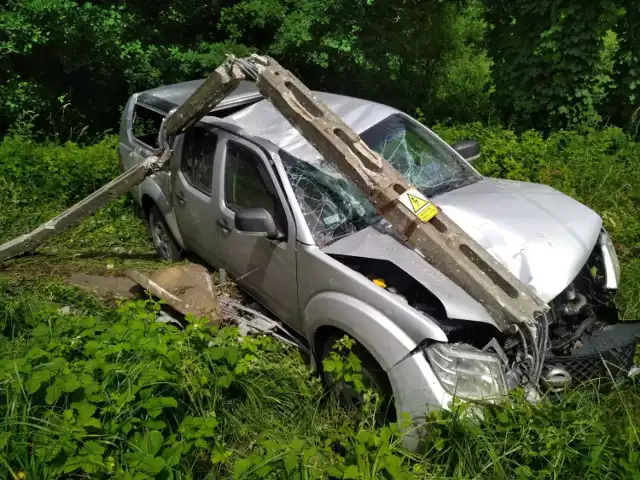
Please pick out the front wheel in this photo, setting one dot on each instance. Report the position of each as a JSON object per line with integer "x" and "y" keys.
{"x": 166, "y": 246}
{"x": 373, "y": 378}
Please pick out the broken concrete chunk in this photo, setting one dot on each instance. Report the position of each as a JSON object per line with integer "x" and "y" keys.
{"x": 186, "y": 288}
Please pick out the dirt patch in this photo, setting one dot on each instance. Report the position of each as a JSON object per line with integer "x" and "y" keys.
{"x": 106, "y": 287}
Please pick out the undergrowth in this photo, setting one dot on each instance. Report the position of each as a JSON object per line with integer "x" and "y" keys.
{"x": 93, "y": 392}
{"x": 100, "y": 393}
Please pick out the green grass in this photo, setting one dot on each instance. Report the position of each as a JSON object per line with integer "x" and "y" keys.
{"x": 106, "y": 393}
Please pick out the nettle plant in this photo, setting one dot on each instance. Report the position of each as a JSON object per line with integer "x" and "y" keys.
{"x": 344, "y": 365}
{"x": 122, "y": 397}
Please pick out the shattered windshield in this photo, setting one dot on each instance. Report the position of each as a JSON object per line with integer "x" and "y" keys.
{"x": 333, "y": 207}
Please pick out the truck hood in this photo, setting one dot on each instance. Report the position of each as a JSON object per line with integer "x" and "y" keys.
{"x": 541, "y": 235}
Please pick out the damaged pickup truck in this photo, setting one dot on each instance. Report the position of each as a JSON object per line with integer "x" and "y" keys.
{"x": 246, "y": 192}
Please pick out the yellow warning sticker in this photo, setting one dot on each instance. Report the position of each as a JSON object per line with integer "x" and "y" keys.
{"x": 418, "y": 204}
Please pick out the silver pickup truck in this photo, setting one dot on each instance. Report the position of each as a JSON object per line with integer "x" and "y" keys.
{"x": 246, "y": 192}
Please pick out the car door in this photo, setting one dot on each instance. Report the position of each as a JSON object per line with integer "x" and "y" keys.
{"x": 192, "y": 192}
{"x": 265, "y": 268}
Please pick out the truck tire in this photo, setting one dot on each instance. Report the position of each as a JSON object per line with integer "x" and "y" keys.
{"x": 166, "y": 246}
{"x": 373, "y": 377}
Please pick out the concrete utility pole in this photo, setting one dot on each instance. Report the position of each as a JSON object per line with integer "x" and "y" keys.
{"x": 217, "y": 86}
{"x": 512, "y": 304}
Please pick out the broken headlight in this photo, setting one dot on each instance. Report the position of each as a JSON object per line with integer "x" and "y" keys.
{"x": 611, "y": 264}
{"x": 466, "y": 372}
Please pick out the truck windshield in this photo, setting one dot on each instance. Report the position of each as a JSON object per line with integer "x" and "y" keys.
{"x": 333, "y": 207}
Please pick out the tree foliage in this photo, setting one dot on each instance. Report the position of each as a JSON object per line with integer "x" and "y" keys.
{"x": 547, "y": 55}
{"x": 627, "y": 100}
{"x": 385, "y": 51}
{"x": 71, "y": 63}
{"x": 67, "y": 66}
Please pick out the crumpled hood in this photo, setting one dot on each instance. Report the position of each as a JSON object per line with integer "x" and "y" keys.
{"x": 541, "y": 235}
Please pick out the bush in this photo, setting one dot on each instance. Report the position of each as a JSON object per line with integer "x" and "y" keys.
{"x": 87, "y": 390}
{"x": 115, "y": 394}
{"x": 90, "y": 391}
{"x": 38, "y": 181}
{"x": 582, "y": 435}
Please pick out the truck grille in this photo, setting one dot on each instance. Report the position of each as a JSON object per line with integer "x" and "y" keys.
{"x": 605, "y": 354}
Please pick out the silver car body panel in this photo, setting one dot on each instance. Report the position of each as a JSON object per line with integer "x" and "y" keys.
{"x": 177, "y": 94}
{"x": 541, "y": 235}
{"x": 263, "y": 120}
{"x": 321, "y": 279}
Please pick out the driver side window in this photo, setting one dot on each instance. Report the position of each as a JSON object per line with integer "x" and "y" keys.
{"x": 246, "y": 182}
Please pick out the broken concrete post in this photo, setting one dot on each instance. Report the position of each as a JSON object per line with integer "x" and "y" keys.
{"x": 439, "y": 240}
{"x": 217, "y": 86}
{"x": 222, "y": 81}
{"x": 85, "y": 208}
{"x": 187, "y": 289}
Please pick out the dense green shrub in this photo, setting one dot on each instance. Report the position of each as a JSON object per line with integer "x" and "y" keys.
{"x": 68, "y": 66}
{"x": 424, "y": 53}
{"x": 65, "y": 173}
{"x": 115, "y": 394}
{"x": 104, "y": 393}
{"x": 625, "y": 105}
{"x": 37, "y": 181}
{"x": 582, "y": 435}
{"x": 548, "y": 71}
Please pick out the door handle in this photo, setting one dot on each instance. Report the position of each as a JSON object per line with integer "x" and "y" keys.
{"x": 224, "y": 225}
{"x": 180, "y": 197}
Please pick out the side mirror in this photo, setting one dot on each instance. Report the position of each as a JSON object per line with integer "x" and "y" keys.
{"x": 257, "y": 222}
{"x": 468, "y": 149}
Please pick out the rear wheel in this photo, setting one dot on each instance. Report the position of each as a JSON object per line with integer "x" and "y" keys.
{"x": 373, "y": 378}
{"x": 166, "y": 246}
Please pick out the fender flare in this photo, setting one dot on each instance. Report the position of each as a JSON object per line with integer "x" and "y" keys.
{"x": 150, "y": 188}
{"x": 380, "y": 335}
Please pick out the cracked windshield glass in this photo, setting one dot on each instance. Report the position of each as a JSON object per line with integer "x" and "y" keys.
{"x": 334, "y": 208}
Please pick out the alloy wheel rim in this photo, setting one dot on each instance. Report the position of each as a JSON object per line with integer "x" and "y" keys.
{"x": 161, "y": 239}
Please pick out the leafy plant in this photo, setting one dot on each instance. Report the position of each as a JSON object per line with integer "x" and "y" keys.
{"x": 547, "y": 66}
{"x": 344, "y": 365}
{"x": 120, "y": 394}
{"x": 626, "y": 104}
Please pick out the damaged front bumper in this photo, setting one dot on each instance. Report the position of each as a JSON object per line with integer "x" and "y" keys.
{"x": 605, "y": 354}
{"x": 587, "y": 342}
{"x": 434, "y": 377}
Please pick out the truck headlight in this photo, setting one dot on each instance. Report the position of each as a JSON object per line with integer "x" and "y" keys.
{"x": 466, "y": 372}
{"x": 611, "y": 263}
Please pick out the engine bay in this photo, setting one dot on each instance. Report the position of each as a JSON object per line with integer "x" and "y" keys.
{"x": 570, "y": 338}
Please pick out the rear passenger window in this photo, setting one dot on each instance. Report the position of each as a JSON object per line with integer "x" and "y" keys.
{"x": 198, "y": 154}
{"x": 146, "y": 125}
